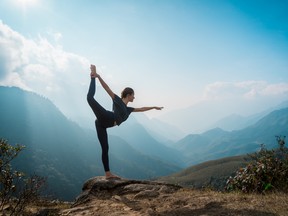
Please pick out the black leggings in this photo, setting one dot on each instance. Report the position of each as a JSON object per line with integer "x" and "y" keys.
{"x": 105, "y": 119}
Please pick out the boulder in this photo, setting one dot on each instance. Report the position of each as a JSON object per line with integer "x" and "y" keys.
{"x": 102, "y": 188}
{"x": 125, "y": 196}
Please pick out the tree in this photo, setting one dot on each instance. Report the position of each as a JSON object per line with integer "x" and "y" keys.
{"x": 16, "y": 189}
{"x": 267, "y": 170}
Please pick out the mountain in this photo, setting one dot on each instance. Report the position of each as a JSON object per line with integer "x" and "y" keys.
{"x": 61, "y": 150}
{"x": 197, "y": 143}
{"x": 134, "y": 164}
{"x": 238, "y": 122}
{"x": 139, "y": 138}
{"x": 161, "y": 131}
{"x": 217, "y": 143}
{"x": 53, "y": 143}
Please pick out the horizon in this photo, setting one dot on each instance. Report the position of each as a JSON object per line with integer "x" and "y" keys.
{"x": 230, "y": 55}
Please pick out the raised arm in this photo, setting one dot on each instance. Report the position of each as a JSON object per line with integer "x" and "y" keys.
{"x": 102, "y": 82}
{"x": 143, "y": 109}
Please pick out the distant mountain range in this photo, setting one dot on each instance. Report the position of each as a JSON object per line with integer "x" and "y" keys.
{"x": 141, "y": 148}
{"x": 217, "y": 143}
{"x": 238, "y": 122}
{"x": 206, "y": 115}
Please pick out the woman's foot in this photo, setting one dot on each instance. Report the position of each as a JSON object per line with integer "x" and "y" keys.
{"x": 109, "y": 175}
{"x": 93, "y": 73}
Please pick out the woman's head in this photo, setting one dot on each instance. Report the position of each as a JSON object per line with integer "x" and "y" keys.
{"x": 127, "y": 92}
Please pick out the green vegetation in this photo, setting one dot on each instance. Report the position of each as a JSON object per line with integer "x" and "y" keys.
{"x": 16, "y": 190}
{"x": 267, "y": 171}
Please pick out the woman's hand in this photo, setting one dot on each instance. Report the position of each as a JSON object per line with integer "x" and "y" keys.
{"x": 158, "y": 108}
{"x": 143, "y": 109}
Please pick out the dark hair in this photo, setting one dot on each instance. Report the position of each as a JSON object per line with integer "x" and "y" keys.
{"x": 127, "y": 91}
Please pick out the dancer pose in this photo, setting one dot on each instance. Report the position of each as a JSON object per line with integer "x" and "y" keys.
{"x": 105, "y": 118}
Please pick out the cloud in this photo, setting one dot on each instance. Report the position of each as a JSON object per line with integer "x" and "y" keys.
{"x": 276, "y": 89}
{"x": 9, "y": 52}
{"x": 246, "y": 90}
{"x": 38, "y": 65}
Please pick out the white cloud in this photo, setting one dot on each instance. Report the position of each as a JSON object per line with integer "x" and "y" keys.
{"x": 246, "y": 90}
{"x": 276, "y": 89}
{"x": 15, "y": 80}
{"x": 39, "y": 66}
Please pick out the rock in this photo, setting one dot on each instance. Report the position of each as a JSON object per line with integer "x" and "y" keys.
{"x": 99, "y": 195}
{"x": 147, "y": 194}
{"x": 102, "y": 188}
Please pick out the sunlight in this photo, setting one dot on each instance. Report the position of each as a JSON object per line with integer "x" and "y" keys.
{"x": 26, "y": 4}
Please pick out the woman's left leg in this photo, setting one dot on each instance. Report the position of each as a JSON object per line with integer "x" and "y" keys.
{"x": 98, "y": 110}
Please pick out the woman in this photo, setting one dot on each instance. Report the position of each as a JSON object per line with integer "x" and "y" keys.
{"x": 105, "y": 118}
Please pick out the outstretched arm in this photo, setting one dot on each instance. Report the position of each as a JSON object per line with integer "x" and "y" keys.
{"x": 143, "y": 109}
{"x": 102, "y": 82}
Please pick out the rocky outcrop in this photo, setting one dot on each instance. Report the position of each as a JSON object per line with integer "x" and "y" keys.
{"x": 99, "y": 195}
{"x": 123, "y": 197}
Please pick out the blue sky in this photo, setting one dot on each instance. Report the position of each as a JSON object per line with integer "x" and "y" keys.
{"x": 174, "y": 53}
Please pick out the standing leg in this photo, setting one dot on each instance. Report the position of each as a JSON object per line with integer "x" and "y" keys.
{"x": 103, "y": 139}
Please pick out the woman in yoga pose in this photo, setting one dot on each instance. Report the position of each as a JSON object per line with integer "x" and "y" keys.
{"x": 105, "y": 118}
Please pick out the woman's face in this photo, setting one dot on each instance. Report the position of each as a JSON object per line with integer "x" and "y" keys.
{"x": 131, "y": 97}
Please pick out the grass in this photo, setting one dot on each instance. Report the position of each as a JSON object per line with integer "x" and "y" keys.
{"x": 201, "y": 175}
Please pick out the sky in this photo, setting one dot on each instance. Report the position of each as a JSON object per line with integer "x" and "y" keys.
{"x": 173, "y": 53}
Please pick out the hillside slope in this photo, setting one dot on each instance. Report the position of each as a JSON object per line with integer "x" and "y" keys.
{"x": 211, "y": 173}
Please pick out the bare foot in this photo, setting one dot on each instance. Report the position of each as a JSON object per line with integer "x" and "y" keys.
{"x": 93, "y": 73}
{"x": 109, "y": 175}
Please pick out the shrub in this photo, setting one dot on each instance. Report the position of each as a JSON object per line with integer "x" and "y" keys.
{"x": 267, "y": 171}
{"x": 16, "y": 190}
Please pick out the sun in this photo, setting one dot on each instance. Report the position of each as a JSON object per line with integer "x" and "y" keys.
{"x": 25, "y": 4}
